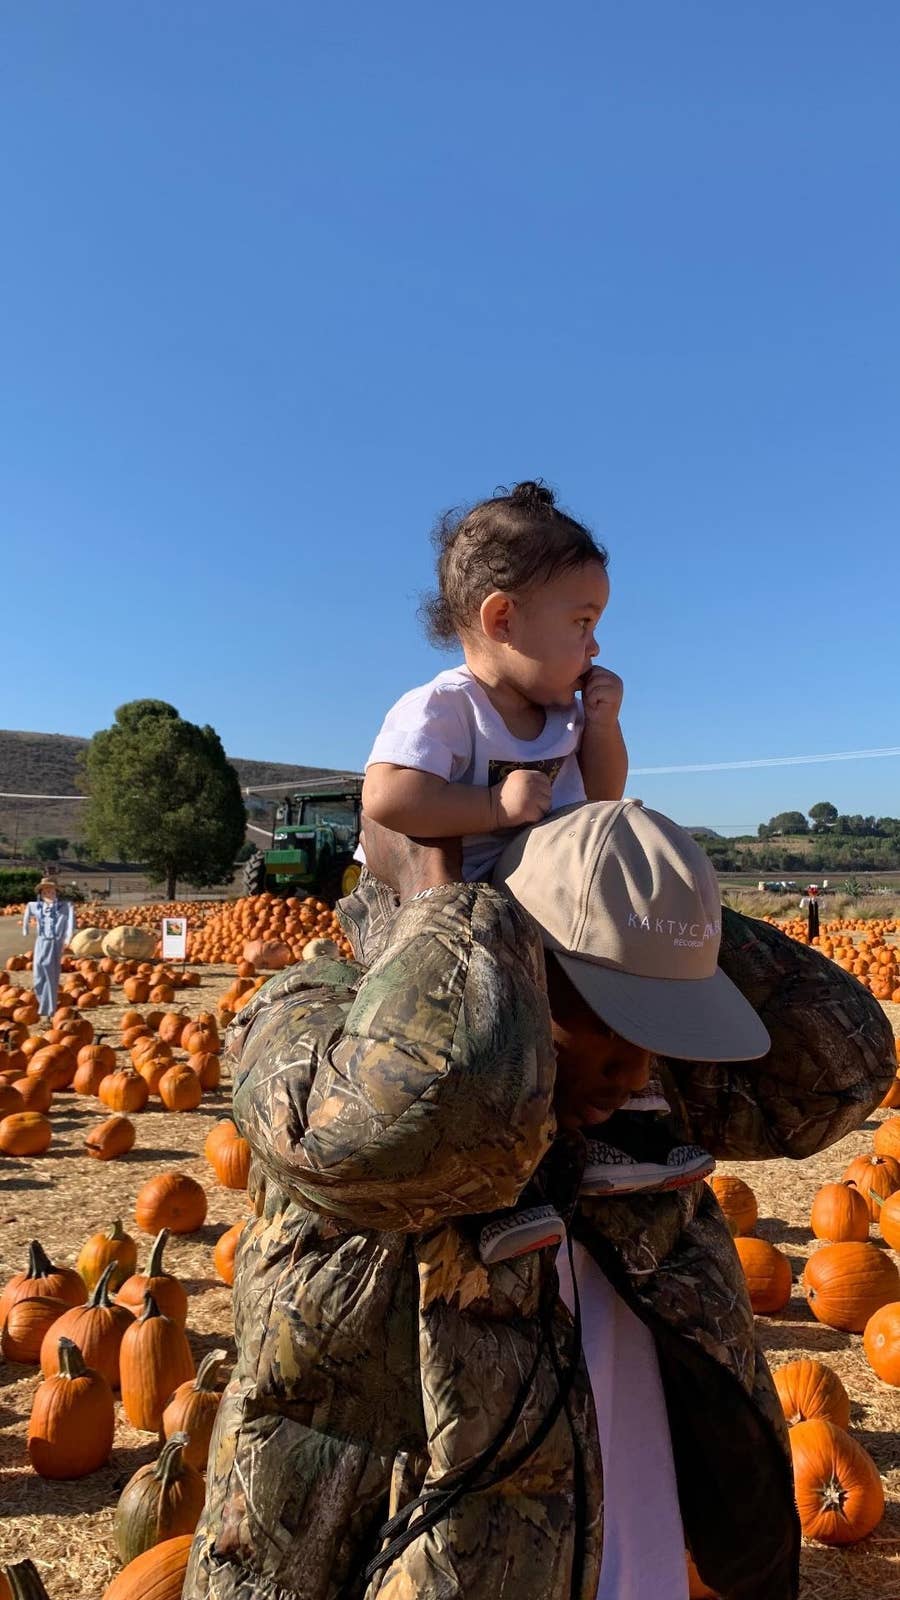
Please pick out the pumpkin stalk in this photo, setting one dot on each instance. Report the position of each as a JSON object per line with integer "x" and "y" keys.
{"x": 170, "y": 1461}
{"x": 39, "y": 1263}
{"x": 154, "y": 1261}
{"x": 71, "y": 1361}
{"x": 151, "y": 1309}
{"x": 100, "y": 1296}
{"x": 206, "y": 1372}
{"x": 24, "y": 1581}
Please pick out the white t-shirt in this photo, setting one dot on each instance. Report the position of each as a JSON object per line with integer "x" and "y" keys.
{"x": 643, "y": 1536}
{"x": 450, "y": 728}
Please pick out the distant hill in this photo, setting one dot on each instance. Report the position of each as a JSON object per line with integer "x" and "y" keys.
{"x": 47, "y": 763}
{"x": 703, "y": 833}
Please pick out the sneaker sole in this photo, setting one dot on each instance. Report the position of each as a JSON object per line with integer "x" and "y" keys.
{"x": 642, "y": 1180}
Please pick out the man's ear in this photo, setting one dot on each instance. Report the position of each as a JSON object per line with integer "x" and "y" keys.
{"x": 496, "y": 616}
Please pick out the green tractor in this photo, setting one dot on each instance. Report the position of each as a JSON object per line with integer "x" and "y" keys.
{"x": 314, "y": 837}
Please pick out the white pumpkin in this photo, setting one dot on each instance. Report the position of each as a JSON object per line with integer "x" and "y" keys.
{"x": 88, "y": 942}
{"x": 129, "y": 944}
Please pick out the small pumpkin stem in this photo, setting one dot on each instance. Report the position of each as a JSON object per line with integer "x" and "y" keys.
{"x": 24, "y": 1581}
{"x": 117, "y": 1232}
{"x": 151, "y": 1309}
{"x": 170, "y": 1462}
{"x": 833, "y": 1495}
{"x": 39, "y": 1263}
{"x": 878, "y": 1198}
{"x": 206, "y": 1372}
{"x": 71, "y": 1361}
{"x": 154, "y": 1263}
{"x": 100, "y": 1296}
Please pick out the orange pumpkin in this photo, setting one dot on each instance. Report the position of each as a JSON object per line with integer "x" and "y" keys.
{"x": 767, "y": 1272}
{"x": 26, "y": 1325}
{"x": 25, "y": 1133}
{"x": 70, "y": 1432}
{"x": 225, "y": 1250}
{"x": 207, "y": 1068}
{"x": 114, "y": 1247}
{"x": 840, "y": 1214}
{"x": 158, "y": 1574}
{"x": 839, "y": 1493}
{"x": 874, "y": 1175}
{"x": 808, "y": 1390}
{"x": 229, "y": 1157}
{"x": 96, "y": 1328}
{"x": 193, "y": 1408}
{"x": 166, "y": 1290}
{"x": 36, "y": 1093}
{"x": 108, "y": 1140}
{"x": 737, "y": 1201}
{"x": 42, "y": 1278}
{"x": 124, "y": 1090}
{"x": 154, "y": 1359}
{"x": 887, "y": 1138}
{"x": 180, "y": 1089}
{"x": 845, "y": 1284}
{"x": 881, "y": 1342}
{"x": 171, "y": 1200}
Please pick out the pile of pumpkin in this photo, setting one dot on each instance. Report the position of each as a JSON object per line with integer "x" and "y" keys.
{"x": 849, "y": 1284}
{"x": 103, "y": 1327}
{"x": 280, "y": 930}
{"x": 863, "y": 948}
{"x": 34, "y": 1067}
{"x": 147, "y": 916}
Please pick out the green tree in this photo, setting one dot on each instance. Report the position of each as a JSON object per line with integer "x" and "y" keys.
{"x": 46, "y": 847}
{"x": 81, "y": 851}
{"x": 789, "y": 822}
{"x": 161, "y": 791}
{"x": 823, "y": 816}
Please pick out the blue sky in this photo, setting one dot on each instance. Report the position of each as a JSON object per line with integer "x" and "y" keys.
{"x": 282, "y": 282}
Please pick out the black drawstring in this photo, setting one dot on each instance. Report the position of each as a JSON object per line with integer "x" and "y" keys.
{"x": 398, "y": 1530}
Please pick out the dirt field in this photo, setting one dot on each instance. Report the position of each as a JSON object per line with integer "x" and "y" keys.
{"x": 66, "y": 1528}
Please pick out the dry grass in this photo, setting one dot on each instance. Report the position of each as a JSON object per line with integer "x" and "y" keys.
{"x": 66, "y": 1528}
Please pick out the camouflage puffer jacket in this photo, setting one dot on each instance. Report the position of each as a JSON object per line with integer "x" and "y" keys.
{"x": 381, "y": 1365}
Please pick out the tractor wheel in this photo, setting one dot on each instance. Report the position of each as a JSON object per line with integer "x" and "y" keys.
{"x": 350, "y": 878}
{"x": 255, "y": 873}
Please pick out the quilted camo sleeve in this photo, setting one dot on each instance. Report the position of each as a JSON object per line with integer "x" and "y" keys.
{"x": 424, "y": 1094}
{"x": 831, "y": 1060}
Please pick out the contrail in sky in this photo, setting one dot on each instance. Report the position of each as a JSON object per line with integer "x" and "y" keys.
{"x": 770, "y": 761}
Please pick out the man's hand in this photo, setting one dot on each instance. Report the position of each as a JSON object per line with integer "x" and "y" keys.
{"x": 521, "y": 798}
{"x": 410, "y": 865}
{"x": 601, "y": 696}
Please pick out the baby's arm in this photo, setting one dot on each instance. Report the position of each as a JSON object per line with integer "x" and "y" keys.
{"x": 427, "y": 807}
{"x": 602, "y": 755}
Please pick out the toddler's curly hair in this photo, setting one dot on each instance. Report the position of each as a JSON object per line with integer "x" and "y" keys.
{"x": 512, "y": 542}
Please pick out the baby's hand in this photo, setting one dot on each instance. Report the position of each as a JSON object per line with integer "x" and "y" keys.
{"x": 601, "y": 696}
{"x": 521, "y": 798}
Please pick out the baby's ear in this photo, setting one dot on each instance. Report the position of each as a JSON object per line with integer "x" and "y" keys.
{"x": 495, "y": 615}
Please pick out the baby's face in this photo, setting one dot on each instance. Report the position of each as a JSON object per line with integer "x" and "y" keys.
{"x": 552, "y": 641}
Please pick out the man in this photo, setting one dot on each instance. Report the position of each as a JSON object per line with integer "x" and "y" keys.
{"x": 407, "y": 1421}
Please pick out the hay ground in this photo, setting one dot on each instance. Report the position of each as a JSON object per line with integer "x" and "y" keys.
{"x": 67, "y": 1528}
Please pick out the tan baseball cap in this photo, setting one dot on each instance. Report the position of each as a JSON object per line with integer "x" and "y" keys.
{"x": 629, "y": 903}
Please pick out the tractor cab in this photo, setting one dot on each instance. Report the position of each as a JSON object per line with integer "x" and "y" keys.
{"x": 314, "y": 839}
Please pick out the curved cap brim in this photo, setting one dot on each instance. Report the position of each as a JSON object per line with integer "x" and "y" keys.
{"x": 705, "y": 1019}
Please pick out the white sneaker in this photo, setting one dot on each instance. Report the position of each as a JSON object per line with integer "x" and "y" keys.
{"x": 610, "y": 1170}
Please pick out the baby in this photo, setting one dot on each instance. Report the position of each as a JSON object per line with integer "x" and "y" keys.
{"x": 489, "y": 747}
{"x": 495, "y": 744}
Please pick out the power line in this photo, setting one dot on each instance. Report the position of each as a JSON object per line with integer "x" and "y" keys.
{"x": 4, "y": 796}
{"x": 768, "y": 761}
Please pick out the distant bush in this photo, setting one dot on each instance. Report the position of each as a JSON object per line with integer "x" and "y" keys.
{"x": 17, "y": 884}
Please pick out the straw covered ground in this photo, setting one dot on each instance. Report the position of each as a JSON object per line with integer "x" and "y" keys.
{"x": 61, "y": 1198}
